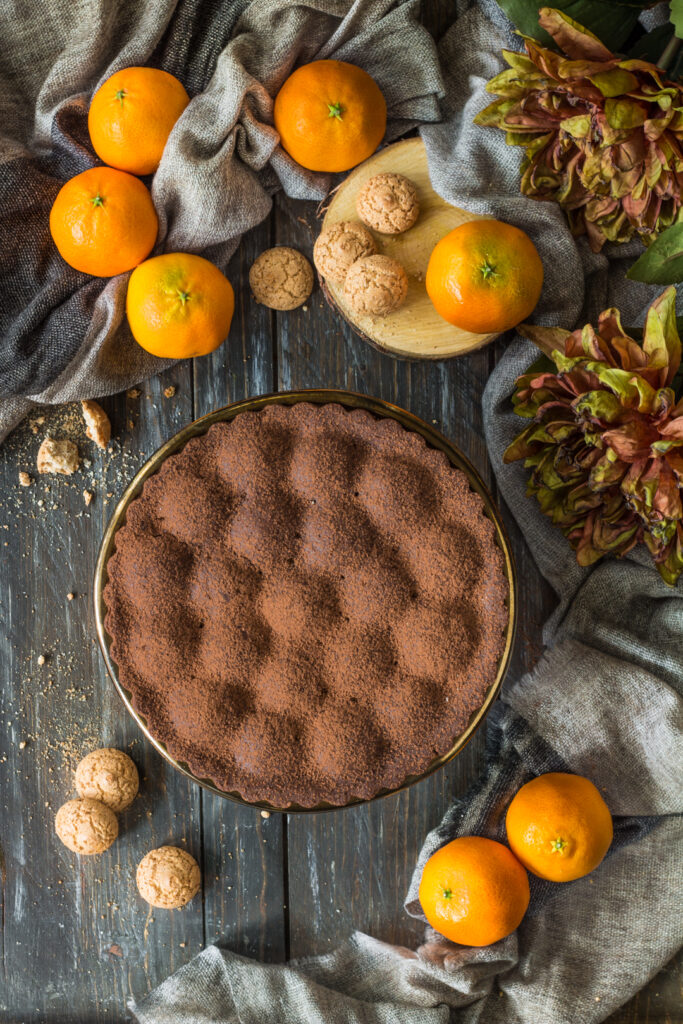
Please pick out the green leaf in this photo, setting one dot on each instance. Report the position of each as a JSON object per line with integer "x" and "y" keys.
{"x": 615, "y": 82}
{"x": 578, "y": 127}
{"x": 612, "y": 21}
{"x": 660, "y": 340}
{"x": 600, "y": 405}
{"x": 624, "y": 114}
{"x": 677, "y": 17}
{"x": 626, "y": 384}
{"x": 662, "y": 262}
{"x": 651, "y": 45}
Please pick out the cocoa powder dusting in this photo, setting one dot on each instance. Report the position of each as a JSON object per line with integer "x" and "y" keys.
{"x": 307, "y": 604}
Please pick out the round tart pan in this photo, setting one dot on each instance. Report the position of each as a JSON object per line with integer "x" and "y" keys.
{"x": 377, "y": 408}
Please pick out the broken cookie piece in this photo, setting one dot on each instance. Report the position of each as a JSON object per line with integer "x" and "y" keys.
{"x": 57, "y": 457}
{"x": 97, "y": 425}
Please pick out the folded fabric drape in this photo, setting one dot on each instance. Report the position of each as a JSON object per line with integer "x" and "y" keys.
{"x": 64, "y": 335}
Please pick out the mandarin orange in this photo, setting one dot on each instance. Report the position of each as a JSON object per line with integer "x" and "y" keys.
{"x": 131, "y": 116}
{"x": 179, "y": 306}
{"x": 330, "y": 115}
{"x": 484, "y": 276}
{"x": 559, "y": 826}
{"x": 103, "y": 222}
{"x": 474, "y": 891}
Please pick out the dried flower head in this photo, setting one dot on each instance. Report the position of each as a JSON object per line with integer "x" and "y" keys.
{"x": 605, "y": 445}
{"x": 603, "y": 136}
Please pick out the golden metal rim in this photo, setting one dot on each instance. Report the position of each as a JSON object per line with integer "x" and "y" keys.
{"x": 380, "y": 408}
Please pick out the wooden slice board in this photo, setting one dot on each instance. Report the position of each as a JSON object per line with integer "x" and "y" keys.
{"x": 415, "y": 331}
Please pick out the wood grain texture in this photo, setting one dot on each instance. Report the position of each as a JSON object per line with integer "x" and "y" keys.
{"x": 75, "y": 938}
{"x": 77, "y": 941}
{"x": 244, "y": 899}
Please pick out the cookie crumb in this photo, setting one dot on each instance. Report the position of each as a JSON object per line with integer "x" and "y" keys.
{"x": 170, "y": 391}
{"x": 265, "y": 814}
{"x": 41, "y": 659}
{"x": 24, "y": 479}
{"x": 57, "y": 457}
{"x": 87, "y": 497}
{"x": 97, "y": 423}
{"x": 133, "y": 392}
{"x": 22, "y": 745}
{"x": 70, "y": 596}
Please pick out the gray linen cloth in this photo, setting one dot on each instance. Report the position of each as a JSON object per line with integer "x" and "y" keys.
{"x": 605, "y": 701}
{"x": 63, "y": 334}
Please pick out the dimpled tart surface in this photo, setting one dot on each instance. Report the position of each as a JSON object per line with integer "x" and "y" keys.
{"x": 307, "y": 604}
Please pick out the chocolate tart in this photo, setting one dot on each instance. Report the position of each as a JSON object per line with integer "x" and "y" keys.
{"x": 305, "y": 603}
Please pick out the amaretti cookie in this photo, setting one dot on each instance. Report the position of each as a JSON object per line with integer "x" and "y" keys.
{"x": 110, "y": 776}
{"x": 168, "y": 877}
{"x": 281, "y": 278}
{"x": 86, "y": 826}
{"x": 338, "y": 248}
{"x": 377, "y": 285}
{"x": 388, "y": 203}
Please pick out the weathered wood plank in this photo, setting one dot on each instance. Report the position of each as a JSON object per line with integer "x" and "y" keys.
{"x": 77, "y": 937}
{"x": 352, "y": 869}
{"x": 244, "y": 895}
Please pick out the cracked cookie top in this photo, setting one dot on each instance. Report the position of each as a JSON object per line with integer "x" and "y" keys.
{"x": 281, "y": 278}
{"x": 338, "y": 248}
{"x": 388, "y": 203}
{"x": 377, "y": 285}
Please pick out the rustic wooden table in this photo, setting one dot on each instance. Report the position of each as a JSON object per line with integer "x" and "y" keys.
{"x": 76, "y": 939}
